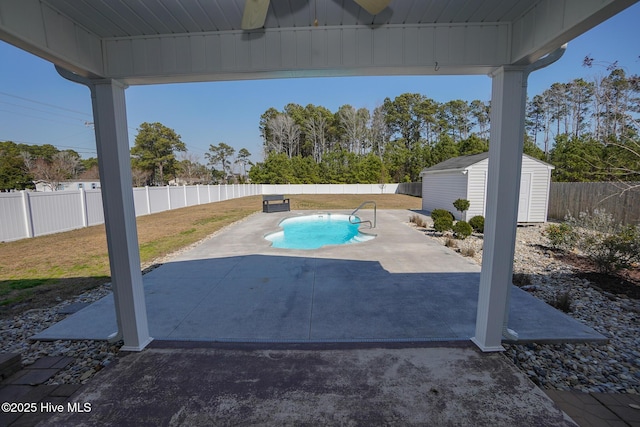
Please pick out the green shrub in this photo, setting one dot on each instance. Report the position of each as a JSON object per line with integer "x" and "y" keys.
{"x": 610, "y": 245}
{"x": 613, "y": 252}
{"x": 462, "y": 230}
{"x": 561, "y": 236}
{"x": 437, "y": 213}
{"x": 477, "y": 223}
{"x": 462, "y": 205}
{"x": 443, "y": 223}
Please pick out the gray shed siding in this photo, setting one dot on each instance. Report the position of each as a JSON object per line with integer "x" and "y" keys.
{"x": 441, "y": 188}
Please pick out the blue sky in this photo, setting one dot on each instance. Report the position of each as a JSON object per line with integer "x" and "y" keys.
{"x": 38, "y": 107}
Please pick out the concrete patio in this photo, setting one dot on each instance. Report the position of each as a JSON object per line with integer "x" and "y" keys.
{"x": 400, "y": 286}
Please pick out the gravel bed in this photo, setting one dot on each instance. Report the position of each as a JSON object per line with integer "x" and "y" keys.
{"x": 614, "y": 367}
{"x": 609, "y": 368}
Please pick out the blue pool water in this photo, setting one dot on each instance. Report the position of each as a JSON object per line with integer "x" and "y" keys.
{"x": 315, "y": 231}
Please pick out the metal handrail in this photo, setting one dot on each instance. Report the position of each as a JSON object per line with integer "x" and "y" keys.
{"x": 375, "y": 215}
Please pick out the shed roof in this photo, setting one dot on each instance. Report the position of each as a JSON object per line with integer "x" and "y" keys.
{"x": 463, "y": 162}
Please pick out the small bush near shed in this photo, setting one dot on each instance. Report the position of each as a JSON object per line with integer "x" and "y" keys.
{"x": 441, "y": 213}
{"x": 477, "y": 223}
{"x": 461, "y": 205}
{"x": 443, "y": 223}
{"x": 462, "y": 230}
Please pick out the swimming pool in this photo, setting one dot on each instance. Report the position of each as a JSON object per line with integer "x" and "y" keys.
{"x": 315, "y": 231}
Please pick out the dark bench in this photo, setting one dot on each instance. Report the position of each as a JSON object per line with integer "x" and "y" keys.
{"x": 275, "y": 203}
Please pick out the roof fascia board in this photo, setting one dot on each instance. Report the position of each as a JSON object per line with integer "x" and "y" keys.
{"x": 308, "y": 52}
{"x": 549, "y": 24}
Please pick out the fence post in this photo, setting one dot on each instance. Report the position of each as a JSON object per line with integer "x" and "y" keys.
{"x": 26, "y": 206}
{"x": 83, "y": 207}
{"x": 169, "y": 197}
{"x": 184, "y": 188}
{"x": 146, "y": 190}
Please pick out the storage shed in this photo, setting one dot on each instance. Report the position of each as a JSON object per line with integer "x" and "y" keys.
{"x": 465, "y": 177}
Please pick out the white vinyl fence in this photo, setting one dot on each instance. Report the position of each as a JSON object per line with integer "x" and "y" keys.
{"x": 29, "y": 214}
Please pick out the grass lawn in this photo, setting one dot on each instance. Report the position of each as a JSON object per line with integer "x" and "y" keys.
{"x": 41, "y": 271}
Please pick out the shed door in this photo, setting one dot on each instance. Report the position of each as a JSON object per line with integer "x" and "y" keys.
{"x": 525, "y": 196}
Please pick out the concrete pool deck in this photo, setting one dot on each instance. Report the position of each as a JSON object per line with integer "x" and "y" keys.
{"x": 400, "y": 286}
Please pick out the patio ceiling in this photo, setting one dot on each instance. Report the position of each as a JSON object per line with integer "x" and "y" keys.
{"x": 145, "y": 42}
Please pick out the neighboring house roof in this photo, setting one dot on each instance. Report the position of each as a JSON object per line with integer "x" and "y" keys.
{"x": 463, "y": 162}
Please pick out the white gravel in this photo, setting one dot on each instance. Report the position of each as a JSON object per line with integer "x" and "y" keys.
{"x": 610, "y": 368}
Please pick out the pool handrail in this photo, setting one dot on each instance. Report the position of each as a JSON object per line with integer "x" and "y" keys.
{"x": 371, "y": 225}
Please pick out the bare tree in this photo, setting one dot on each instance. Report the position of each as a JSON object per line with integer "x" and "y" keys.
{"x": 284, "y": 135}
{"x": 140, "y": 176}
{"x": 354, "y": 127}
{"x": 63, "y": 165}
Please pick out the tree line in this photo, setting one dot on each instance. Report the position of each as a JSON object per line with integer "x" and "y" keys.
{"x": 587, "y": 129}
{"x": 158, "y": 157}
{"x": 22, "y": 165}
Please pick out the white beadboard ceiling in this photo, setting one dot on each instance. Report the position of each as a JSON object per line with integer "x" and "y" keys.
{"x": 130, "y": 18}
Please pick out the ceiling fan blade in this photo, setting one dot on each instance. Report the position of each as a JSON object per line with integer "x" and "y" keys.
{"x": 374, "y": 7}
{"x": 254, "y": 15}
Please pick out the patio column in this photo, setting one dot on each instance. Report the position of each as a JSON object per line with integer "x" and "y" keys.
{"x": 508, "y": 97}
{"x": 114, "y": 163}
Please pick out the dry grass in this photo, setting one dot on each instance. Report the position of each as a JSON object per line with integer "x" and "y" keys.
{"x": 35, "y": 272}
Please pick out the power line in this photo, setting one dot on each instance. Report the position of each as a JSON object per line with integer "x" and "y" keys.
{"x": 34, "y": 117}
{"x": 41, "y": 111}
{"x": 44, "y": 103}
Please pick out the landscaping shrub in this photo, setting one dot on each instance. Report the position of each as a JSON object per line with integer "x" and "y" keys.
{"x": 443, "y": 223}
{"x": 477, "y": 223}
{"x": 418, "y": 220}
{"x": 561, "y": 236}
{"x": 613, "y": 252}
{"x": 468, "y": 251}
{"x": 462, "y": 230}
{"x": 521, "y": 279}
{"x": 437, "y": 213}
{"x": 461, "y": 205}
{"x": 562, "y": 302}
{"x": 610, "y": 245}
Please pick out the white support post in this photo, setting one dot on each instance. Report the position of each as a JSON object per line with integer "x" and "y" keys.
{"x": 505, "y": 161}
{"x": 114, "y": 161}
{"x": 198, "y": 193}
{"x": 169, "y": 197}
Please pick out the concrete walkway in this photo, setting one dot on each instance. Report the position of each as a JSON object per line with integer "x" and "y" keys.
{"x": 313, "y": 385}
{"x": 400, "y": 286}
